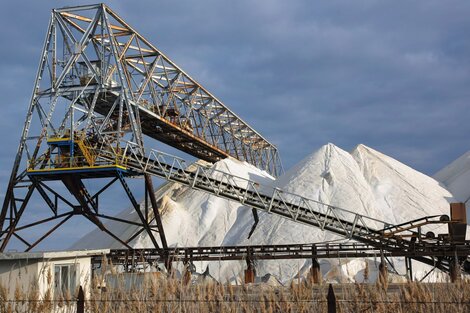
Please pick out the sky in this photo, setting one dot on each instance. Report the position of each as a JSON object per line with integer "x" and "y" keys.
{"x": 393, "y": 75}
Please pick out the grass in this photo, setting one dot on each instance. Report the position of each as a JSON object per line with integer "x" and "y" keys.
{"x": 156, "y": 292}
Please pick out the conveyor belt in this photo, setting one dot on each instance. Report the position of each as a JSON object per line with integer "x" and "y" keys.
{"x": 348, "y": 224}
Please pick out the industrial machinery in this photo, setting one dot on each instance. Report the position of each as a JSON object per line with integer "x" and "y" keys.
{"x": 103, "y": 94}
{"x": 101, "y": 87}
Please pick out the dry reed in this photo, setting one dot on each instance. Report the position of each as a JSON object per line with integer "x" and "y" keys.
{"x": 155, "y": 292}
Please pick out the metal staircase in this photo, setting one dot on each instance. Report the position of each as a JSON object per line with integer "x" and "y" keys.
{"x": 86, "y": 149}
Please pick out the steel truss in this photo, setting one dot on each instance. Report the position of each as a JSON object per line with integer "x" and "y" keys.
{"x": 62, "y": 209}
{"x": 280, "y": 252}
{"x": 170, "y": 105}
{"x": 99, "y": 84}
{"x": 402, "y": 239}
{"x": 447, "y": 257}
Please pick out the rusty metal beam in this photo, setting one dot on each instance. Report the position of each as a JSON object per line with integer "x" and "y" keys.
{"x": 156, "y": 213}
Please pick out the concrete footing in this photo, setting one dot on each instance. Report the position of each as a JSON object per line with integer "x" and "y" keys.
{"x": 249, "y": 276}
{"x": 186, "y": 276}
{"x": 250, "y": 272}
{"x": 454, "y": 272}
{"x": 315, "y": 273}
{"x": 383, "y": 274}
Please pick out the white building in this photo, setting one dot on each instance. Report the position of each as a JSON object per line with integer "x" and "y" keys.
{"x": 58, "y": 272}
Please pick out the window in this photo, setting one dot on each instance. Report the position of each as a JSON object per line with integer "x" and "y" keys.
{"x": 65, "y": 278}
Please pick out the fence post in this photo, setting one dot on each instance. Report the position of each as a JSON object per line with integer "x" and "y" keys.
{"x": 331, "y": 299}
{"x": 81, "y": 301}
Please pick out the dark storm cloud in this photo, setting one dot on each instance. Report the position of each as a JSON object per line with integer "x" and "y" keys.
{"x": 390, "y": 74}
{"x": 393, "y": 75}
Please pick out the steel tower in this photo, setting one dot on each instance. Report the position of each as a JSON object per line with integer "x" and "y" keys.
{"x": 101, "y": 92}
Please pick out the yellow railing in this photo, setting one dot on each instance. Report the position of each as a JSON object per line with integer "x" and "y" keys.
{"x": 70, "y": 163}
{"x": 86, "y": 151}
{"x": 86, "y": 156}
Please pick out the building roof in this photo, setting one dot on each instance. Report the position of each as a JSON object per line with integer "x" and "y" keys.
{"x": 48, "y": 255}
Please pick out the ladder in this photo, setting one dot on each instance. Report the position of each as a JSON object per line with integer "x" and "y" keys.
{"x": 89, "y": 157}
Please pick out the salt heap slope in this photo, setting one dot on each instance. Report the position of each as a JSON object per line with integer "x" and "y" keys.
{"x": 400, "y": 192}
{"x": 364, "y": 181}
{"x": 456, "y": 178}
{"x": 329, "y": 175}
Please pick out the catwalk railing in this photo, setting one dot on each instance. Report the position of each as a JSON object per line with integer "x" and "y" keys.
{"x": 406, "y": 238}
{"x": 184, "y": 112}
{"x": 332, "y": 250}
{"x": 348, "y": 224}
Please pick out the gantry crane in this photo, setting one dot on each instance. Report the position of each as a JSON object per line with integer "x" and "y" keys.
{"x": 101, "y": 84}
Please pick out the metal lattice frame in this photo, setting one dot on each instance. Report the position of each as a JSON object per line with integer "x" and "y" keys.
{"x": 408, "y": 238}
{"x": 300, "y": 209}
{"x": 287, "y": 251}
{"x": 173, "y": 107}
{"x": 100, "y": 83}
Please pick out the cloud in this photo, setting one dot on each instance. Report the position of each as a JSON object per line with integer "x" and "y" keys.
{"x": 345, "y": 71}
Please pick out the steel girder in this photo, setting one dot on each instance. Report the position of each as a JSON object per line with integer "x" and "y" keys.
{"x": 173, "y": 107}
{"x": 62, "y": 207}
{"x": 283, "y": 251}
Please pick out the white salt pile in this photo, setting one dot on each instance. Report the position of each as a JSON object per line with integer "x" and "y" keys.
{"x": 364, "y": 181}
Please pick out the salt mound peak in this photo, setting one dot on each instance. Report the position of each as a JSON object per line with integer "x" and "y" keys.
{"x": 368, "y": 157}
{"x": 400, "y": 191}
{"x": 456, "y": 177}
{"x": 332, "y": 176}
{"x": 308, "y": 167}
{"x": 242, "y": 169}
